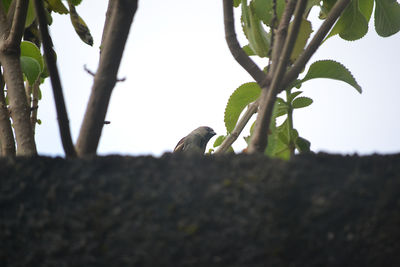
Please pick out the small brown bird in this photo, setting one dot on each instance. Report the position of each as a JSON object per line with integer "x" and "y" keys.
{"x": 196, "y": 141}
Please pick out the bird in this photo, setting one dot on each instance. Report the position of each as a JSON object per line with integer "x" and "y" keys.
{"x": 196, "y": 141}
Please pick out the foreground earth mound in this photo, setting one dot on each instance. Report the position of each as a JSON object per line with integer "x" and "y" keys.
{"x": 237, "y": 210}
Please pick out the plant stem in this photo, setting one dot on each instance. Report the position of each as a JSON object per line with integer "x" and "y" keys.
{"x": 259, "y": 139}
{"x": 63, "y": 121}
{"x": 251, "y": 110}
{"x": 290, "y": 123}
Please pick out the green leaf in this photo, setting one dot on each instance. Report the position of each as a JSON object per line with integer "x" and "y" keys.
{"x": 57, "y": 6}
{"x": 366, "y": 7}
{"x": 280, "y": 108}
{"x": 276, "y": 148}
{"x": 352, "y": 25}
{"x": 302, "y": 102}
{"x": 29, "y": 49}
{"x": 293, "y": 96}
{"x": 332, "y": 70}
{"x": 30, "y": 15}
{"x": 247, "y": 49}
{"x": 39, "y": 121}
{"x": 241, "y": 97}
{"x": 219, "y": 140}
{"x": 301, "y": 41}
{"x": 263, "y": 10}
{"x": 326, "y": 7}
{"x": 31, "y": 68}
{"x": 302, "y": 145}
{"x": 254, "y": 31}
{"x": 387, "y": 17}
{"x": 236, "y": 3}
{"x": 75, "y": 2}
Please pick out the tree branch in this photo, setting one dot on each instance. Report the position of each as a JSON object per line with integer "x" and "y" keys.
{"x": 281, "y": 34}
{"x": 113, "y": 45}
{"x": 237, "y": 52}
{"x": 259, "y": 139}
{"x": 62, "y": 115}
{"x": 251, "y": 109}
{"x": 317, "y": 40}
{"x": 110, "y": 8}
{"x": 18, "y": 23}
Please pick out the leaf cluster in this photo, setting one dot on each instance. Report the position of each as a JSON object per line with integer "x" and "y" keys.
{"x": 259, "y": 22}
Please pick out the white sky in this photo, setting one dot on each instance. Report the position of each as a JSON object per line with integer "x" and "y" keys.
{"x": 180, "y": 74}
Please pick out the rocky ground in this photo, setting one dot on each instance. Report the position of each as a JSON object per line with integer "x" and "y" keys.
{"x": 315, "y": 210}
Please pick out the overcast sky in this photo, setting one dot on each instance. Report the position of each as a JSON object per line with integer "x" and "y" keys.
{"x": 180, "y": 74}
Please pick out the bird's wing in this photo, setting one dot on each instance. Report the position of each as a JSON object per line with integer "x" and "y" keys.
{"x": 180, "y": 145}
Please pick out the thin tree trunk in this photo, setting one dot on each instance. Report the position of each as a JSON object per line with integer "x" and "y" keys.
{"x": 114, "y": 39}
{"x": 11, "y": 30}
{"x": 6, "y": 134}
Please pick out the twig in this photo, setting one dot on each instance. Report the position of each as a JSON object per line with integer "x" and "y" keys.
{"x": 94, "y": 74}
{"x": 62, "y": 115}
{"x": 259, "y": 139}
{"x": 251, "y": 110}
{"x": 237, "y": 52}
{"x": 89, "y": 71}
{"x": 18, "y": 23}
{"x": 301, "y": 62}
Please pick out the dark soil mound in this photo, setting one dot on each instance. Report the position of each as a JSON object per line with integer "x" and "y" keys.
{"x": 316, "y": 210}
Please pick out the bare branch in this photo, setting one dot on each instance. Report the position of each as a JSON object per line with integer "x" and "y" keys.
{"x": 62, "y": 115}
{"x": 260, "y": 136}
{"x": 18, "y": 23}
{"x": 237, "y": 52}
{"x": 94, "y": 74}
{"x": 251, "y": 109}
{"x": 120, "y": 20}
{"x": 317, "y": 40}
